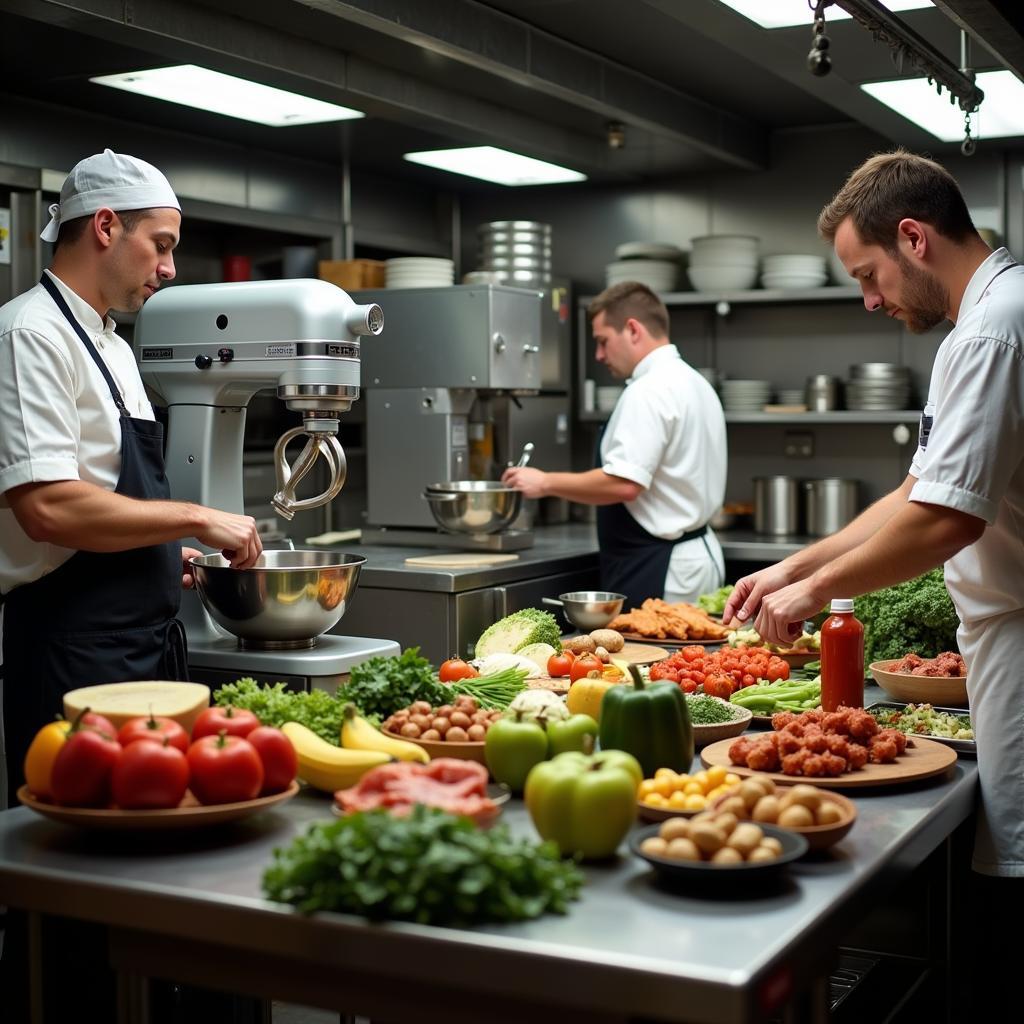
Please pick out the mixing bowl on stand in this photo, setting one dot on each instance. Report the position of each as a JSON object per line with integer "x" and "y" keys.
{"x": 286, "y": 600}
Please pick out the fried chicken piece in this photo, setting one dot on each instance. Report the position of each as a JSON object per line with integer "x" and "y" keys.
{"x": 789, "y": 744}
{"x": 834, "y": 764}
{"x": 814, "y": 739}
{"x": 899, "y": 738}
{"x": 882, "y": 750}
{"x": 764, "y": 755}
{"x": 782, "y": 718}
{"x": 739, "y": 749}
{"x": 793, "y": 763}
{"x": 836, "y": 722}
{"x": 838, "y": 745}
{"x": 856, "y": 756}
{"x": 862, "y": 725}
{"x": 814, "y": 716}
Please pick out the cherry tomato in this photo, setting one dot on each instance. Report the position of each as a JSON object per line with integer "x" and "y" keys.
{"x": 584, "y": 665}
{"x": 718, "y": 686}
{"x": 234, "y": 721}
{"x": 153, "y": 728}
{"x": 560, "y": 664}
{"x": 150, "y": 774}
{"x": 82, "y": 769}
{"x": 454, "y": 669}
{"x": 278, "y": 757}
{"x": 224, "y": 769}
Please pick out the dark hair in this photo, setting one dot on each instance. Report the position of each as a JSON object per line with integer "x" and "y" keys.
{"x": 631, "y": 299}
{"x": 71, "y": 231}
{"x": 890, "y": 186}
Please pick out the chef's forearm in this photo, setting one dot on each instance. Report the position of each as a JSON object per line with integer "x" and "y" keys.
{"x": 79, "y": 515}
{"x": 594, "y": 487}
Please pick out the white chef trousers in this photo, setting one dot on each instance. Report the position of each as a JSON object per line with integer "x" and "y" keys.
{"x": 994, "y": 651}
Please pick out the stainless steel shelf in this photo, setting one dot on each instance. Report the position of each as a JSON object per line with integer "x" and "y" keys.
{"x": 747, "y": 546}
{"x": 832, "y": 293}
{"x": 840, "y": 416}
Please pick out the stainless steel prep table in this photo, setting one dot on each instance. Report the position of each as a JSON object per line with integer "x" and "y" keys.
{"x": 189, "y": 908}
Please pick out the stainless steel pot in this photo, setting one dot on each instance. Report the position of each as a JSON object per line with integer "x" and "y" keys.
{"x": 286, "y": 600}
{"x": 589, "y": 609}
{"x": 831, "y": 504}
{"x": 776, "y": 505}
{"x": 473, "y": 506}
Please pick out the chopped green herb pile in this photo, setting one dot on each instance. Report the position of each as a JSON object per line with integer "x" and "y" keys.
{"x": 705, "y": 710}
{"x": 275, "y": 705}
{"x": 430, "y": 867}
{"x": 381, "y": 686}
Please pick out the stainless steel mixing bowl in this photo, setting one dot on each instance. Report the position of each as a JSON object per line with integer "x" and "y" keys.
{"x": 473, "y": 506}
{"x": 286, "y": 600}
{"x": 589, "y": 609}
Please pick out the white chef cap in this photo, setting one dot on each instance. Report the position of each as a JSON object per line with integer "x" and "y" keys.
{"x": 111, "y": 180}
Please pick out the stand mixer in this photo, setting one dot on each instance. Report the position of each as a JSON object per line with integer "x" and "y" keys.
{"x": 206, "y": 350}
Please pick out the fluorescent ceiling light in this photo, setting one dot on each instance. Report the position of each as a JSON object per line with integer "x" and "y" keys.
{"x": 194, "y": 86}
{"x": 783, "y": 13}
{"x": 497, "y": 165}
{"x": 1001, "y": 112}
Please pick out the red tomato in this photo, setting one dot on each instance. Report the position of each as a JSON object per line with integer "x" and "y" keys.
{"x": 224, "y": 769}
{"x": 584, "y": 665}
{"x": 454, "y": 669}
{"x": 94, "y": 720}
{"x": 560, "y": 664}
{"x": 277, "y": 756}
{"x": 718, "y": 686}
{"x": 688, "y": 685}
{"x": 153, "y": 728}
{"x": 234, "y": 721}
{"x": 150, "y": 774}
{"x": 81, "y": 771}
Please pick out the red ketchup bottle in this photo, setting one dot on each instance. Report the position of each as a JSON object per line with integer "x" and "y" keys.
{"x": 842, "y": 658}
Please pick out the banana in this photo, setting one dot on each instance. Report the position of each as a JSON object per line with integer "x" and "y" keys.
{"x": 326, "y": 766}
{"x": 358, "y": 734}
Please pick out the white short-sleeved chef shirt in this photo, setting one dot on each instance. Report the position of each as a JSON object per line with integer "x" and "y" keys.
{"x": 57, "y": 419}
{"x": 667, "y": 433}
{"x": 970, "y": 454}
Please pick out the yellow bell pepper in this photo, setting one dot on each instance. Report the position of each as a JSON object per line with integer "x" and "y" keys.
{"x": 585, "y": 696}
{"x": 41, "y": 754}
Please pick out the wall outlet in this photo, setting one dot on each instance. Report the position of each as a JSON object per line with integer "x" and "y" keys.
{"x": 798, "y": 444}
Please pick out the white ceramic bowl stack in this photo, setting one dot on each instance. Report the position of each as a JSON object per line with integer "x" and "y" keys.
{"x": 722, "y": 263}
{"x": 655, "y": 264}
{"x": 877, "y": 387}
{"x": 418, "y": 272}
{"x": 745, "y": 395}
{"x": 786, "y": 272}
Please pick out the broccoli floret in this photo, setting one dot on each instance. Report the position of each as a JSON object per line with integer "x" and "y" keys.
{"x": 519, "y": 630}
{"x": 917, "y": 615}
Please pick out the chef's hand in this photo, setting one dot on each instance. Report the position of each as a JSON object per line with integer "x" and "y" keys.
{"x": 782, "y": 614}
{"x": 532, "y": 482}
{"x": 749, "y": 592}
{"x": 235, "y": 536}
{"x": 188, "y": 580}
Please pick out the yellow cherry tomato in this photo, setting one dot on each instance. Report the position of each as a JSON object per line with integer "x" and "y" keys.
{"x": 693, "y": 788}
{"x": 682, "y": 782}
{"x": 655, "y": 800}
{"x": 664, "y": 786}
{"x": 716, "y": 775}
{"x": 695, "y": 802}
{"x": 732, "y": 778}
{"x": 665, "y": 773}
{"x": 677, "y": 801}
{"x": 41, "y": 754}
{"x": 646, "y": 788}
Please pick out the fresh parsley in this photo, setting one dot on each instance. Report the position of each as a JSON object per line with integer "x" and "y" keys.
{"x": 381, "y": 686}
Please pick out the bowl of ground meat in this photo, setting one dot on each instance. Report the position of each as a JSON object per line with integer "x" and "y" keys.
{"x": 940, "y": 681}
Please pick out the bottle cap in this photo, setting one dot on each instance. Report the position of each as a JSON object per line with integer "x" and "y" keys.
{"x": 842, "y": 604}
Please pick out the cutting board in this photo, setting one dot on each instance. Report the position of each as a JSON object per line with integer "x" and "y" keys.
{"x": 921, "y": 761}
{"x": 639, "y": 654}
{"x": 464, "y": 560}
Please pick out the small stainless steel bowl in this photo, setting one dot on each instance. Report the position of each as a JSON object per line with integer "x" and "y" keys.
{"x": 589, "y": 609}
{"x": 473, "y": 506}
{"x": 286, "y": 600}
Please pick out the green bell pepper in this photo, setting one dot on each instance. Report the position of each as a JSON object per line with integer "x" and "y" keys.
{"x": 650, "y": 721}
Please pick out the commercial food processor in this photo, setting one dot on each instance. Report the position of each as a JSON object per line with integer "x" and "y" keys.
{"x": 448, "y": 359}
{"x": 205, "y": 350}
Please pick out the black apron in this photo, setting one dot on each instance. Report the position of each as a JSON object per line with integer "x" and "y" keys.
{"x": 633, "y": 561}
{"x": 98, "y": 617}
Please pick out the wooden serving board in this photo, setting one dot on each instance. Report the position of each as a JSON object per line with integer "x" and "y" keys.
{"x": 637, "y": 654}
{"x": 921, "y": 761}
{"x": 463, "y": 560}
{"x": 671, "y": 642}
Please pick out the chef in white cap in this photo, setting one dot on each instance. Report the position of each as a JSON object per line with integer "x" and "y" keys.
{"x": 91, "y": 561}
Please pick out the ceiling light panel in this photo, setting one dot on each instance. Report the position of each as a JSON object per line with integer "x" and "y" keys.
{"x": 193, "y": 86}
{"x": 496, "y": 165}
{"x": 786, "y": 13}
{"x": 1001, "y": 113}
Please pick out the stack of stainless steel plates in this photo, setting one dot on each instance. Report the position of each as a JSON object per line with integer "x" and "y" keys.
{"x": 875, "y": 387}
{"x": 745, "y": 395}
{"x": 518, "y": 251}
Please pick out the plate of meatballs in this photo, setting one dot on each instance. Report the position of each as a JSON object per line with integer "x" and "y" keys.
{"x": 841, "y": 749}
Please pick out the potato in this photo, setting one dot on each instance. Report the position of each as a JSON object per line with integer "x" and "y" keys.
{"x": 727, "y": 855}
{"x": 726, "y": 822}
{"x": 600, "y": 652}
{"x": 734, "y": 805}
{"x": 432, "y": 735}
{"x": 461, "y": 719}
{"x": 745, "y": 838}
{"x": 828, "y": 813}
{"x": 750, "y": 791}
{"x": 476, "y": 733}
{"x": 807, "y": 796}
{"x": 675, "y": 828}
{"x": 580, "y": 645}
{"x": 654, "y": 846}
{"x": 707, "y": 837}
{"x": 766, "y": 809}
{"x": 767, "y": 784}
{"x": 796, "y": 816}
{"x": 773, "y": 844}
{"x": 456, "y": 734}
{"x": 611, "y": 640}
{"x": 763, "y": 854}
{"x": 682, "y": 848}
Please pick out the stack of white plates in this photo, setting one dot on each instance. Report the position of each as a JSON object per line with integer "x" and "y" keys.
{"x": 517, "y": 251}
{"x": 795, "y": 271}
{"x": 724, "y": 262}
{"x": 877, "y": 387}
{"x": 418, "y": 272}
{"x": 658, "y": 275}
{"x": 791, "y": 396}
{"x": 745, "y": 395}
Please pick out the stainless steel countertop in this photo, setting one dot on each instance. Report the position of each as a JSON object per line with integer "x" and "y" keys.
{"x": 628, "y": 948}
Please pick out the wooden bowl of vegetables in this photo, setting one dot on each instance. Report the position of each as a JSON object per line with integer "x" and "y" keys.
{"x": 715, "y": 719}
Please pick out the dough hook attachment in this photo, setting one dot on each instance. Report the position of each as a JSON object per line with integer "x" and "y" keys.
{"x": 319, "y": 442}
